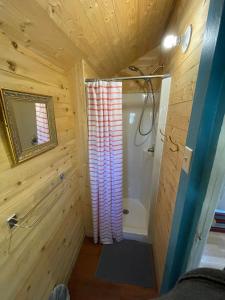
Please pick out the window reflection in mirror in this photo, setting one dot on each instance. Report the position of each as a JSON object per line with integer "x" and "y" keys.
{"x": 32, "y": 123}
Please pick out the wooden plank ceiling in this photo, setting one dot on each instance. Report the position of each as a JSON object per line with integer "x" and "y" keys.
{"x": 109, "y": 34}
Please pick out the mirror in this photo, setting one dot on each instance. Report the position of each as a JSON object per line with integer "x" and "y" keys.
{"x": 30, "y": 123}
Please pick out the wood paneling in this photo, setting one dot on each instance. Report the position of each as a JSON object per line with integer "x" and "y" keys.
{"x": 110, "y": 33}
{"x": 33, "y": 260}
{"x": 27, "y": 23}
{"x": 147, "y": 64}
{"x": 44, "y": 41}
{"x": 183, "y": 69}
{"x": 77, "y": 75}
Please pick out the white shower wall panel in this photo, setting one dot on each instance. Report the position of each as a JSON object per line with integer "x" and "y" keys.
{"x": 137, "y": 160}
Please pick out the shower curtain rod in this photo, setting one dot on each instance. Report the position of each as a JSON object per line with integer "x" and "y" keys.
{"x": 128, "y": 78}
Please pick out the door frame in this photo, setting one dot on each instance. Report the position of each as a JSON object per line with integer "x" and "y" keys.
{"x": 214, "y": 191}
{"x": 205, "y": 124}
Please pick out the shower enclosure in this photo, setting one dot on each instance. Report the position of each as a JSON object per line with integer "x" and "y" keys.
{"x": 137, "y": 166}
{"x": 139, "y": 117}
{"x": 141, "y": 159}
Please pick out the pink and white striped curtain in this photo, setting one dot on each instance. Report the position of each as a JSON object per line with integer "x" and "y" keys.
{"x": 105, "y": 158}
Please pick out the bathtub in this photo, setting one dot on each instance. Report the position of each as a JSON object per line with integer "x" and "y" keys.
{"x": 135, "y": 223}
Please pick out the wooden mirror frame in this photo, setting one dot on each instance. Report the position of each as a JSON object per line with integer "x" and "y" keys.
{"x": 18, "y": 154}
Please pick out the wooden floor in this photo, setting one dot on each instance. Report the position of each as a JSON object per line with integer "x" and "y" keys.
{"x": 83, "y": 284}
{"x": 214, "y": 251}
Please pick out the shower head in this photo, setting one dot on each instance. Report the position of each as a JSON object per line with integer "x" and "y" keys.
{"x": 133, "y": 68}
{"x": 136, "y": 69}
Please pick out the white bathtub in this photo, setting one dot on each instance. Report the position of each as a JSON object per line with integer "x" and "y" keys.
{"x": 135, "y": 223}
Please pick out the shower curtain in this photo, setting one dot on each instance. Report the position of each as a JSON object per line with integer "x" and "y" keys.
{"x": 105, "y": 159}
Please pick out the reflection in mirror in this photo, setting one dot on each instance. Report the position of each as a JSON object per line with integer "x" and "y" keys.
{"x": 41, "y": 124}
{"x": 30, "y": 123}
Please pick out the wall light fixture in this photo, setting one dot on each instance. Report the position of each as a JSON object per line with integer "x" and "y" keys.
{"x": 170, "y": 41}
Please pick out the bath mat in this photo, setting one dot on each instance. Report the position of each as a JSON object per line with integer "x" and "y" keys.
{"x": 129, "y": 262}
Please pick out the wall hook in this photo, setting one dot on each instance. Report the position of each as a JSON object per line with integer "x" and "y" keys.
{"x": 175, "y": 144}
{"x": 165, "y": 136}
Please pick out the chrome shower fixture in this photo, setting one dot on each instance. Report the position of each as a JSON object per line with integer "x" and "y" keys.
{"x": 149, "y": 97}
{"x": 136, "y": 69}
{"x": 133, "y": 68}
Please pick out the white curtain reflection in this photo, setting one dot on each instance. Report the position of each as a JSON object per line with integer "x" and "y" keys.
{"x": 42, "y": 123}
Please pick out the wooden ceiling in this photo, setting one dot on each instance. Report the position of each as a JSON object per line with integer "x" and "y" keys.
{"x": 147, "y": 64}
{"x": 109, "y": 34}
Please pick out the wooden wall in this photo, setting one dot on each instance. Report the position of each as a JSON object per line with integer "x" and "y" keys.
{"x": 77, "y": 75}
{"x": 183, "y": 69}
{"x": 33, "y": 260}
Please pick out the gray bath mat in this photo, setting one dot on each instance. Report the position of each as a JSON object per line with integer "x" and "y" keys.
{"x": 129, "y": 262}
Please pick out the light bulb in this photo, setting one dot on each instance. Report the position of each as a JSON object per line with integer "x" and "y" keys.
{"x": 170, "y": 41}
